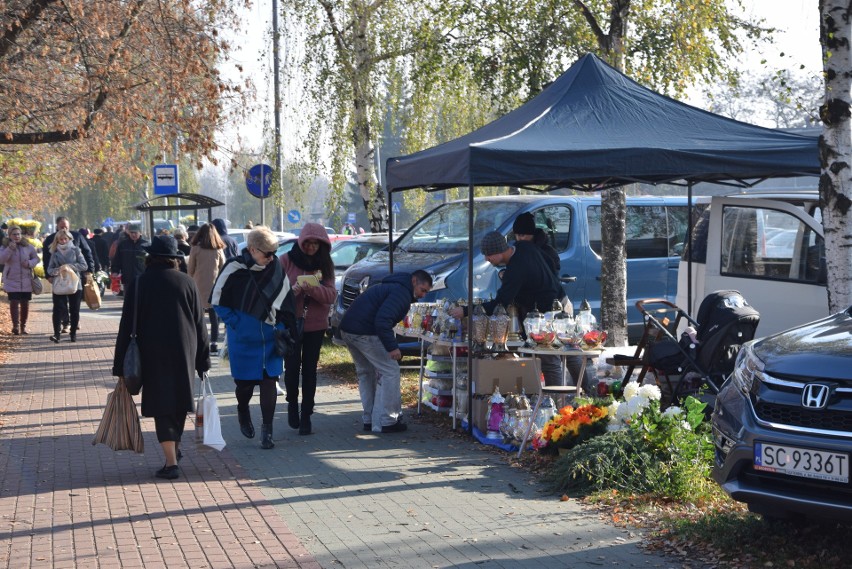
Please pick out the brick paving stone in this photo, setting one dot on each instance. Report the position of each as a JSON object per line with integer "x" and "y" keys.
{"x": 340, "y": 498}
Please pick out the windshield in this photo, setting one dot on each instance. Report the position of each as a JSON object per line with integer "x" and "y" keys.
{"x": 347, "y": 253}
{"x": 444, "y": 230}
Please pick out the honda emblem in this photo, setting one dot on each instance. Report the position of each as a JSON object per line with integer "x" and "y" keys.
{"x": 815, "y": 396}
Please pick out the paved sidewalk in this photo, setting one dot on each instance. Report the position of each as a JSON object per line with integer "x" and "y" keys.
{"x": 338, "y": 498}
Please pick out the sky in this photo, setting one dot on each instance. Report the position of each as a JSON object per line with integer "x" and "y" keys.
{"x": 797, "y": 38}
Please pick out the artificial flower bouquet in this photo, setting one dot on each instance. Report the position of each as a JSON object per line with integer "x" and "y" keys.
{"x": 570, "y": 427}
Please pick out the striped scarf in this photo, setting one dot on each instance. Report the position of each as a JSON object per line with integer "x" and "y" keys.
{"x": 248, "y": 287}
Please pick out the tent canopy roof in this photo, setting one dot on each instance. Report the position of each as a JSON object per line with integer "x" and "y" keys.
{"x": 595, "y": 128}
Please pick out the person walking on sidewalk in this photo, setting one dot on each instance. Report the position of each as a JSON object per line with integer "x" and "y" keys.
{"x": 172, "y": 340}
{"x": 206, "y": 259}
{"x": 18, "y": 258}
{"x": 65, "y": 257}
{"x": 129, "y": 258}
{"x": 80, "y": 242}
{"x": 367, "y": 330}
{"x": 310, "y": 258}
{"x": 251, "y": 296}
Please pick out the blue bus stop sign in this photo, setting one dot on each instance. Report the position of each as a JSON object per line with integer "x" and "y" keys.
{"x": 166, "y": 179}
{"x": 259, "y": 180}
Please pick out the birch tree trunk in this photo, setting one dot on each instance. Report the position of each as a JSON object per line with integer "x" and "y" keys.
{"x": 362, "y": 105}
{"x": 835, "y": 184}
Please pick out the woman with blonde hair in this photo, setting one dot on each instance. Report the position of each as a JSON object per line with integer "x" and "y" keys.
{"x": 64, "y": 257}
{"x": 206, "y": 259}
{"x": 18, "y": 258}
{"x": 252, "y": 296}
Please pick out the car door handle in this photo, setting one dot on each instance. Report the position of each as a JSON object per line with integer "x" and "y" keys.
{"x": 568, "y": 279}
{"x": 598, "y": 278}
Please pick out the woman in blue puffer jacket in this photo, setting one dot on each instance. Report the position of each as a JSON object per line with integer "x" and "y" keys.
{"x": 251, "y": 296}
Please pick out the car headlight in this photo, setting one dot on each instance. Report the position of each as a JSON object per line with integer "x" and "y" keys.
{"x": 748, "y": 368}
{"x": 365, "y": 282}
{"x": 440, "y": 281}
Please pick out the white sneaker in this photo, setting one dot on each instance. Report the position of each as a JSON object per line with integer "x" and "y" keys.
{"x": 280, "y": 389}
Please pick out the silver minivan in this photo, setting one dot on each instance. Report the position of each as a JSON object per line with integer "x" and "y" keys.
{"x": 769, "y": 247}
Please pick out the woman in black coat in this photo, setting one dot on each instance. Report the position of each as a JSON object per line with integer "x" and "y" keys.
{"x": 172, "y": 339}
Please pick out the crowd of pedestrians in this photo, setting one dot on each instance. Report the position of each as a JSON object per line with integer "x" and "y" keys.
{"x": 275, "y": 312}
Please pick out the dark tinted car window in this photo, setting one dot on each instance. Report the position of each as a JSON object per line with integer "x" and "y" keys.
{"x": 647, "y": 229}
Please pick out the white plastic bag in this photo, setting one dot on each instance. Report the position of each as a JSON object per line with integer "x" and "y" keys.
{"x": 66, "y": 281}
{"x": 212, "y": 427}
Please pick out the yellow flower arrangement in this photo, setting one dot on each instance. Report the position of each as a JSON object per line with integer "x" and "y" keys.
{"x": 570, "y": 426}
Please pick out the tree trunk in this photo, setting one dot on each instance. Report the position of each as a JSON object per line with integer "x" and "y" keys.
{"x": 614, "y": 266}
{"x": 835, "y": 184}
{"x": 372, "y": 194}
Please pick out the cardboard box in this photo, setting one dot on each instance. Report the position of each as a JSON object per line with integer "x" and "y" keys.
{"x": 511, "y": 375}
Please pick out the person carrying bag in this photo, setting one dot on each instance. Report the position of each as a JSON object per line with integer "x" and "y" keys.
{"x": 310, "y": 270}
{"x": 172, "y": 339}
{"x": 66, "y": 264}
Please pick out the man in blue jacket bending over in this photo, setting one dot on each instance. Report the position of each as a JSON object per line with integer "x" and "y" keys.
{"x": 367, "y": 329}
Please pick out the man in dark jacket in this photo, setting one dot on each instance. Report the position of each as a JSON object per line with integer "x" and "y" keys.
{"x": 230, "y": 243}
{"x": 82, "y": 244}
{"x": 129, "y": 259}
{"x": 525, "y": 230}
{"x": 101, "y": 247}
{"x": 367, "y": 329}
{"x": 527, "y": 282}
{"x": 79, "y": 242}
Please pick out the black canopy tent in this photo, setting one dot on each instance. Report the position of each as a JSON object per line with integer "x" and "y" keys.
{"x": 177, "y": 203}
{"x": 595, "y": 128}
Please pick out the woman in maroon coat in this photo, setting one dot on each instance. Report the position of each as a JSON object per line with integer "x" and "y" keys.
{"x": 311, "y": 260}
{"x": 172, "y": 339}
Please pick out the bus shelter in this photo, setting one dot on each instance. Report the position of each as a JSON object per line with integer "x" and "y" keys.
{"x": 175, "y": 206}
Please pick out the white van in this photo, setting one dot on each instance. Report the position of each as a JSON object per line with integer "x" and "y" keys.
{"x": 768, "y": 246}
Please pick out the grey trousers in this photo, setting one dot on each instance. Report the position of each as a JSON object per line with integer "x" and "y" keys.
{"x": 378, "y": 380}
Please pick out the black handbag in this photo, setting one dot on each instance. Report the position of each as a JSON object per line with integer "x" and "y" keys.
{"x": 284, "y": 342}
{"x": 300, "y": 323}
{"x": 132, "y": 358}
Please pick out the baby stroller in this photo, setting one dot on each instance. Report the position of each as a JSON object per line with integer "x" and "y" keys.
{"x": 705, "y": 353}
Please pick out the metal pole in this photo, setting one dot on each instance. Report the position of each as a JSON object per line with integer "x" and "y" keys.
{"x": 277, "y": 88}
{"x": 689, "y": 246}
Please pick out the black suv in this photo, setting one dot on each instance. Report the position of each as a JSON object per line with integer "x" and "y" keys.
{"x": 782, "y": 424}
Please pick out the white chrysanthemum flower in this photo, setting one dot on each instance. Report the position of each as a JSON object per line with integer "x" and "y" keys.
{"x": 651, "y": 392}
{"x": 685, "y": 426}
{"x": 636, "y": 405}
{"x": 630, "y": 390}
{"x": 672, "y": 411}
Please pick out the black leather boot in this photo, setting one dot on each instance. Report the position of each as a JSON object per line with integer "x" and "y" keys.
{"x": 305, "y": 423}
{"x": 266, "y": 436}
{"x": 293, "y": 414}
{"x": 246, "y": 426}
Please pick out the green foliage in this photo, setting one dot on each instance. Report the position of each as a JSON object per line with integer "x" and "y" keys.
{"x": 664, "y": 454}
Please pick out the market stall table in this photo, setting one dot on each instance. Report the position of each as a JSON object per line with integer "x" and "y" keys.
{"x": 563, "y": 353}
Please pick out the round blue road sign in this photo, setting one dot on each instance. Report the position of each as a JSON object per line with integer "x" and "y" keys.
{"x": 259, "y": 180}
{"x": 293, "y": 216}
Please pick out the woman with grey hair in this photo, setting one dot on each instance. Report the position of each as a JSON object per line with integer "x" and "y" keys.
{"x": 252, "y": 296}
